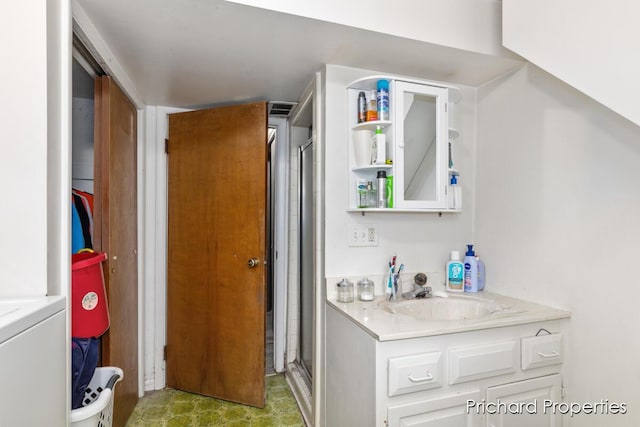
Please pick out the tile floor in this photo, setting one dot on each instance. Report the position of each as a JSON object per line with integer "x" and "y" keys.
{"x": 173, "y": 408}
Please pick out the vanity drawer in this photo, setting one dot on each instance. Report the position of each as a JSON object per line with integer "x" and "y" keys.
{"x": 409, "y": 374}
{"x": 482, "y": 361}
{"x": 541, "y": 350}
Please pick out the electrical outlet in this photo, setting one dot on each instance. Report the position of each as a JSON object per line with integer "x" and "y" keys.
{"x": 372, "y": 235}
{"x": 362, "y": 235}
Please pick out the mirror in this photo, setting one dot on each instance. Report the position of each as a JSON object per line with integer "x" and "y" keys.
{"x": 420, "y": 160}
{"x": 419, "y": 146}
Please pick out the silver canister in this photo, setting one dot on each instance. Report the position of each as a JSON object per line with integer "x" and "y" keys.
{"x": 345, "y": 290}
{"x": 365, "y": 290}
{"x": 382, "y": 189}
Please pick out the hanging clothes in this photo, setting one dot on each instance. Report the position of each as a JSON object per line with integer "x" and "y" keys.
{"x": 87, "y": 196}
{"x": 77, "y": 237}
{"x": 82, "y": 220}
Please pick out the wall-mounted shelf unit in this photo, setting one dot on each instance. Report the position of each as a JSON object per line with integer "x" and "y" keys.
{"x": 418, "y": 136}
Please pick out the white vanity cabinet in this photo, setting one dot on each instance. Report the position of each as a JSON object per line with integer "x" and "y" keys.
{"x": 529, "y": 397}
{"x": 473, "y": 378}
{"x": 418, "y": 135}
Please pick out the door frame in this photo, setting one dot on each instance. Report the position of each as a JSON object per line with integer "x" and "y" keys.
{"x": 89, "y": 35}
{"x": 281, "y": 240}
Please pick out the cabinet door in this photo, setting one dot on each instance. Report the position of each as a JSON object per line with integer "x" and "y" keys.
{"x": 32, "y": 389}
{"x": 522, "y": 404}
{"x": 445, "y": 411}
{"x": 420, "y": 146}
{"x": 115, "y": 228}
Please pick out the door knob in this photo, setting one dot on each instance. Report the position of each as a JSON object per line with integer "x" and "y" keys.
{"x": 253, "y": 262}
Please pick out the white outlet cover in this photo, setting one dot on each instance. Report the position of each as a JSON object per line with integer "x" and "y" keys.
{"x": 362, "y": 235}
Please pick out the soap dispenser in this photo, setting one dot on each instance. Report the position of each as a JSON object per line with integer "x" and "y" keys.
{"x": 470, "y": 270}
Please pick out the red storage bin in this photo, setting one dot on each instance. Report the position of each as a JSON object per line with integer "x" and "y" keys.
{"x": 89, "y": 309}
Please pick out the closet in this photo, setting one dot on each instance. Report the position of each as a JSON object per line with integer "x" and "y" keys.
{"x": 104, "y": 135}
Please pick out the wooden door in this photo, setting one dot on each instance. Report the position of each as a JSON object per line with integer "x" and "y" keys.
{"x": 217, "y": 167}
{"x": 115, "y": 230}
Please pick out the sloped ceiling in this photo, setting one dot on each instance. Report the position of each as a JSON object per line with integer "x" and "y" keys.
{"x": 186, "y": 53}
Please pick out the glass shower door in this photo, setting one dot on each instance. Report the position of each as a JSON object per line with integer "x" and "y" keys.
{"x": 305, "y": 349}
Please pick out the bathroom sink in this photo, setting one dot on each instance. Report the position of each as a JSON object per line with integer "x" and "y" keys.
{"x": 437, "y": 308}
{"x": 7, "y": 310}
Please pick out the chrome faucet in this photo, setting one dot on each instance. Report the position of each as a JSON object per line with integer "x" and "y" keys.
{"x": 419, "y": 289}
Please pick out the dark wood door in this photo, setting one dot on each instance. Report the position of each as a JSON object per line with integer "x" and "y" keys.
{"x": 217, "y": 165}
{"x": 115, "y": 230}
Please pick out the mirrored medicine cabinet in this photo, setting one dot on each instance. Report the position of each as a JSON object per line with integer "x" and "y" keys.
{"x": 418, "y": 140}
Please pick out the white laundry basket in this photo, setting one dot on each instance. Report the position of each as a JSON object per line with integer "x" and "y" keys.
{"x": 97, "y": 405}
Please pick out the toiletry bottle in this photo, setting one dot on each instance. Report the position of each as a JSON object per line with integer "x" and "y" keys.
{"x": 454, "y": 193}
{"x": 380, "y": 147}
{"x": 470, "y": 270}
{"x": 372, "y": 107}
{"x": 383, "y": 99}
{"x": 371, "y": 195}
{"x": 362, "y": 107}
{"x": 390, "y": 191}
{"x": 481, "y": 273}
{"x": 455, "y": 273}
{"x": 382, "y": 189}
{"x": 362, "y": 195}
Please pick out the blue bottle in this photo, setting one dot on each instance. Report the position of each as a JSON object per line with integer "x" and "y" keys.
{"x": 470, "y": 270}
{"x": 383, "y": 99}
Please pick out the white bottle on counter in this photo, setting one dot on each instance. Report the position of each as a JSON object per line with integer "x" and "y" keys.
{"x": 470, "y": 271}
{"x": 455, "y": 273}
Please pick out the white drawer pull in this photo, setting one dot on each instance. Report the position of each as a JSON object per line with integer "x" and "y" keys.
{"x": 427, "y": 377}
{"x": 549, "y": 355}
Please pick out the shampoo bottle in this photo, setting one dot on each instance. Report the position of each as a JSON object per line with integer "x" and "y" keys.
{"x": 470, "y": 270}
{"x": 455, "y": 273}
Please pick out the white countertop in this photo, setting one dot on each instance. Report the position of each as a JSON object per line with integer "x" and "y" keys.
{"x": 19, "y": 314}
{"x": 383, "y": 325}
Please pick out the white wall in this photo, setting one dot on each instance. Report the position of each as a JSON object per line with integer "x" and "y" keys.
{"x": 422, "y": 241}
{"x": 464, "y": 24}
{"x": 592, "y": 45}
{"x": 23, "y": 163}
{"x": 35, "y": 122}
{"x": 557, "y": 208}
